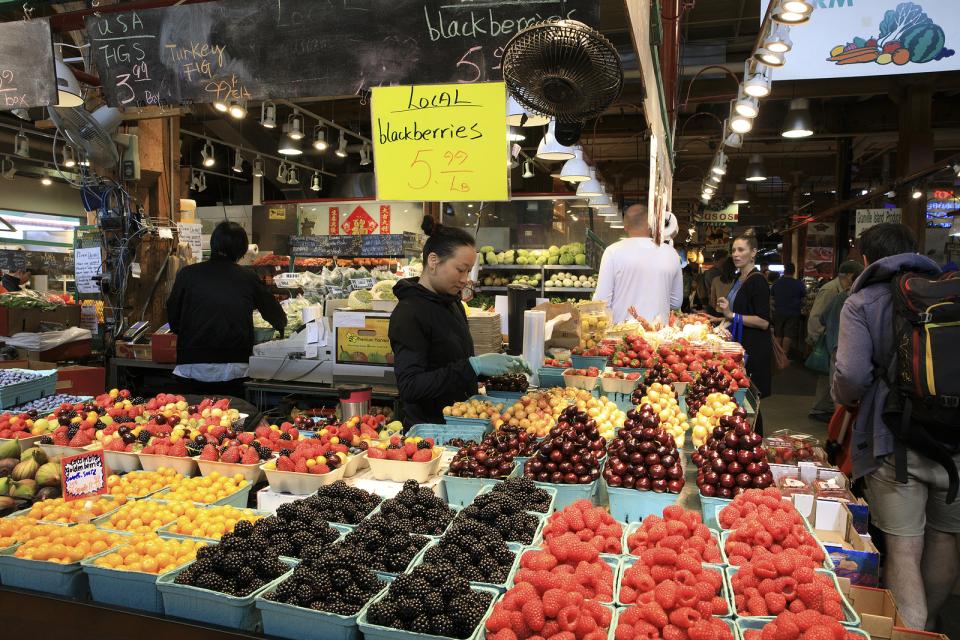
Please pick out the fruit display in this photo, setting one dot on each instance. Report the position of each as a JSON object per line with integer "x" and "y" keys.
{"x": 340, "y": 502}
{"x": 495, "y": 281}
{"x": 571, "y": 453}
{"x": 234, "y": 453}
{"x": 296, "y": 526}
{"x": 419, "y": 508}
{"x": 710, "y": 381}
{"x": 585, "y": 379}
{"x": 528, "y": 494}
{"x": 593, "y": 525}
{"x": 237, "y": 566}
{"x": 210, "y": 522}
{"x": 785, "y": 447}
{"x": 663, "y": 403}
{"x": 482, "y": 460}
{"x": 150, "y": 554}
{"x": 732, "y": 460}
{"x": 601, "y": 350}
{"x": 559, "y": 364}
{"x": 524, "y": 612}
{"x": 633, "y": 352}
{"x": 562, "y": 279}
{"x": 513, "y": 382}
{"x": 144, "y": 516}
{"x": 650, "y": 621}
{"x": 708, "y": 414}
{"x": 802, "y": 626}
{"x": 533, "y": 413}
{"x": 765, "y": 527}
{"x": 644, "y": 455}
{"x": 569, "y": 564}
{"x": 675, "y": 585}
{"x": 476, "y": 549}
{"x": 593, "y": 324}
{"x": 410, "y": 449}
{"x": 432, "y": 599}
{"x": 476, "y": 409}
{"x": 383, "y": 545}
{"x": 310, "y": 456}
{"x": 681, "y": 361}
{"x": 504, "y": 512}
{"x": 57, "y": 510}
{"x": 328, "y": 579}
{"x": 678, "y": 529}
{"x": 205, "y": 489}
{"x": 277, "y": 437}
{"x": 15, "y": 376}
{"x": 141, "y": 483}
{"x": 65, "y": 545}
{"x": 26, "y": 475}
{"x": 47, "y": 404}
{"x": 169, "y": 446}
{"x": 770, "y": 587}
{"x": 15, "y": 529}
{"x": 532, "y": 279}
{"x": 567, "y": 254}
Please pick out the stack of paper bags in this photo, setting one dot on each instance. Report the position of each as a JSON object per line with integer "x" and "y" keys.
{"x": 485, "y": 331}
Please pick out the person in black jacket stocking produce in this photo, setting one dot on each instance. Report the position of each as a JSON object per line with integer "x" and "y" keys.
{"x": 432, "y": 348}
{"x": 211, "y": 310}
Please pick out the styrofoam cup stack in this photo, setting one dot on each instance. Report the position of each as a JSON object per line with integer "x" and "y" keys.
{"x": 534, "y": 324}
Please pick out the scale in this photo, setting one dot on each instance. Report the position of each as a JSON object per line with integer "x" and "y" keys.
{"x": 136, "y": 332}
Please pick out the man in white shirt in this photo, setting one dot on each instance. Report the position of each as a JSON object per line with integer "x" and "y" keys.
{"x": 636, "y": 272}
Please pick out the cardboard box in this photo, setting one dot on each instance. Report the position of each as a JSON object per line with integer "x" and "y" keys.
{"x": 69, "y": 351}
{"x": 27, "y": 364}
{"x": 134, "y": 351}
{"x": 14, "y": 320}
{"x": 902, "y": 633}
{"x": 164, "y": 347}
{"x": 877, "y": 609}
{"x": 853, "y": 554}
{"x": 81, "y": 381}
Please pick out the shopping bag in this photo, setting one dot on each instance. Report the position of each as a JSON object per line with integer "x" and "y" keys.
{"x": 780, "y": 360}
{"x": 819, "y": 358}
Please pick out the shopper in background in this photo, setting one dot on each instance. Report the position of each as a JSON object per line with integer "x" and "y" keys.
{"x": 826, "y": 306}
{"x": 432, "y": 348}
{"x": 706, "y": 281}
{"x": 921, "y": 530}
{"x": 747, "y": 307}
{"x": 636, "y": 272}
{"x": 210, "y": 308}
{"x": 721, "y": 285}
{"x": 788, "y": 294}
{"x": 14, "y": 280}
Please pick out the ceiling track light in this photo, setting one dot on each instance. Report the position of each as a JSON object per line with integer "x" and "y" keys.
{"x": 719, "y": 164}
{"x": 258, "y": 167}
{"x": 21, "y": 145}
{"x": 778, "y": 39}
{"x": 203, "y": 182}
{"x": 293, "y": 177}
{"x": 69, "y": 157}
{"x": 755, "y": 169}
{"x": 731, "y": 138}
{"x": 295, "y": 125}
{"x": 69, "y": 93}
{"x": 714, "y": 178}
{"x": 739, "y": 123}
{"x": 45, "y": 179}
{"x": 341, "y": 151}
{"x": 268, "y": 115}
{"x": 917, "y": 194}
{"x": 769, "y": 58}
{"x": 551, "y": 150}
{"x": 791, "y": 12}
{"x": 282, "y": 173}
{"x": 740, "y": 194}
{"x": 757, "y": 79}
{"x": 590, "y": 187}
{"x": 207, "y": 154}
{"x": 320, "y": 138}
{"x": 575, "y": 169}
{"x": 799, "y": 122}
{"x": 221, "y": 105}
{"x": 237, "y": 108}
{"x": 8, "y": 168}
{"x": 365, "y": 151}
{"x": 238, "y": 163}
{"x": 315, "y": 182}
{"x": 290, "y": 146}
{"x": 528, "y": 169}
{"x": 514, "y": 135}
{"x": 747, "y": 106}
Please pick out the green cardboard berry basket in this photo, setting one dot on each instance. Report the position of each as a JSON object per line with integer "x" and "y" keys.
{"x": 628, "y": 531}
{"x": 633, "y": 505}
{"x": 851, "y": 617}
{"x": 516, "y": 548}
{"x": 615, "y": 562}
{"x": 725, "y": 591}
{"x": 550, "y": 490}
{"x": 537, "y": 533}
{"x": 757, "y": 624}
{"x": 827, "y": 561}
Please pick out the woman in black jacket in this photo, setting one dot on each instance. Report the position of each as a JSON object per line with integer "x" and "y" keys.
{"x": 211, "y": 310}
{"x": 747, "y": 307}
{"x": 432, "y": 348}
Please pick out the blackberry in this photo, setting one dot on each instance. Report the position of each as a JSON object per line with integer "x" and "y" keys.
{"x": 203, "y": 564}
{"x": 232, "y": 564}
{"x": 72, "y": 430}
{"x": 442, "y": 626}
{"x": 243, "y": 528}
{"x": 423, "y": 444}
{"x": 286, "y": 436}
{"x": 99, "y": 426}
{"x": 140, "y": 400}
{"x": 46, "y": 440}
{"x": 382, "y": 613}
{"x": 144, "y": 437}
{"x": 194, "y": 449}
{"x": 286, "y": 452}
{"x": 434, "y": 603}
{"x": 354, "y": 594}
{"x": 421, "y": 624}
{"x": 455, "y": 586}
{"x": 345, "y": 608}
{"x": 211, "y": 581}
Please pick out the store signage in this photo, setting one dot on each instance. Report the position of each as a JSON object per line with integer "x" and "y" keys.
{"x": 277, "y": 213}
{"x": 853, "y": 38}
{"x": 83, "y": 475}
{"x": 820, "y": 251}
{"x": 28, "y": 77}
{"x": 384, "y": 218}
{"x": 359, "y": 223}
{"x": 866, "y": 218}
{"x": 441, "y": 142}
{"x": 730, "y": 215}
{"x": 334, "y": 220}
{"x": 366, "y": 344}
{"x": 87, "y": 265}
{"x": 190, "y": 234}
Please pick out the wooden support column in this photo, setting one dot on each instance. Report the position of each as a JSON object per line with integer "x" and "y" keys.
{"x": 915, "y": 152}
{"x": 844, "y": 178}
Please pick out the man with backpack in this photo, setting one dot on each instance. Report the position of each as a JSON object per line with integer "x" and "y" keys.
{"x": 889, "y": 360}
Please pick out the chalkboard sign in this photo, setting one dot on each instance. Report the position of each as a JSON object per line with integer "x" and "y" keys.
{"x": 325, "y": 246}
{"x": 28, "y": 77}
{"x": 13, "y": 260}
{"x": 257, "y": 49}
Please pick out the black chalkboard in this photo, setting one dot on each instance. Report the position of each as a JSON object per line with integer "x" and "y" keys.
{"x": 325, "y": 246}
{"x": 258, "y": 49}
{"x": 28, "y": 77}
{"x": 13, "y": 260}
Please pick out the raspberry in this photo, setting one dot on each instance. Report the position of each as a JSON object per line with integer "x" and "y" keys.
{"x": 776, "y": 603}
{"x": 666, "y": 594}
{"x": 803, "y": 574}
{"x": 568, "y": 617}
{"x": 654, "y": 614}
{"x": 538, "y": 561}
{"x": 684, "y": 617}
{"x": 499, "y": 619}
{"x": 806, "y": 619}
{"x": 811, "y": 595}
{"x": 756, "y": 606}
{"x": 533, "y": 615}
{"x": 785, "y": 563}
{"x": 503, "y": 634}
{"x": 818, "y": 633}
{"x": 688, "y": 562}
{"x": 585, "y": 625}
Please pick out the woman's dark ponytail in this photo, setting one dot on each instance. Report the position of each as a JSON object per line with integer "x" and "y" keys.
{"x": 443, "y": 241}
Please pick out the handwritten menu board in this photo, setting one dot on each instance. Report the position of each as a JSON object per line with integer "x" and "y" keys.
{"x": 11, "y": 260}
{"x": 83, "y": 475}
{"x": 256, "y": 49}
{"x": 190, "y": 234}
{"x": 28, "y": 77}
{"x": 325, "y": 246}
{"x": 441, "y": 142}
{"x": 87, "y": 263}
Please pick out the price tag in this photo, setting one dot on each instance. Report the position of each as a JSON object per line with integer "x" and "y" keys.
{"x": 440, "y": 142}
{"x": 361, "y": 283}
{"x": 135, "y": 270}
{"x": 165, "y": 232}
{"x": 83, "y": 475}
{"x": 287, "y": 280}
{"x": 334, "y": 291}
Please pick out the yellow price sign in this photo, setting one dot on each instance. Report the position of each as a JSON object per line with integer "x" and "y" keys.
{"x": 441, "y": 142}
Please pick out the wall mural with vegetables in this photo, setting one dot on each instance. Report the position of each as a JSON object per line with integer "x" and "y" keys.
{"x": 889, "y": 36}
{"x": 906, "y": 34}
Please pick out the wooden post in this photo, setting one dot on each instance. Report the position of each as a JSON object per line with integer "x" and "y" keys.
{"x": 915, "y": 152}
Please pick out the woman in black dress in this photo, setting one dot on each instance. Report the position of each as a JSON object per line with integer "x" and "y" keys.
{"x": 747, "y": 307}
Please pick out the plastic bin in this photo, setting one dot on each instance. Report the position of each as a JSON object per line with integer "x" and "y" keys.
{"x": 165, "y": 531}
{"x": 509, "y": 396}
{"x": 851, "y": 617}
{"x": 550, "y": 490}
{"x": 461, "y": 491}
{"x": 628, "y": 531}
{"x": 401, "y": 471}
{"x": 756, "y": 624}
{"x": 211, "y": 607}
{"x": 65, "y": 580}
{"x": 581, "y": 382}
{"x": 725, "y": 591}
{"x": 129, "y": 589}
{"x": 376, "y": 632}
{"x": 633, "y": 505}
{"x": 185, "y": 466}
{"x": 24, "y": 443}
{"x": 720, "y": 527}
{"x": 252, "y": 473}
{"x": 708, "y": 509}
{"x": 443, "y": 433}
{"x": 585, "y": 362}
{"x": 567, "y": 494}
{"x": 42, "y": 383}
{"x": 537, "y": 533}
{"x": 56, "y": 451}
{"x": 301, "y": 484}
{"x": 289, "y": 621}
{"x": 515, "y": 547}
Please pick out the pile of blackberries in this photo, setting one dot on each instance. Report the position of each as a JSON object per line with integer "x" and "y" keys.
{"x": 295, "y": 527}
{"x": 383, "y": 545}
{"x": 532, "y": 497}
{"x": 505, "y": 513}
{"x": 329, "y": 579}
{"x": 420, "y": 508}
{"x": 476, "y": 549}
{"x": 339, "y": 502}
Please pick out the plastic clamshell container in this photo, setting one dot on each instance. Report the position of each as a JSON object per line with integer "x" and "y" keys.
{"x": 515, "y": 547}
{"x": 301, "y": 484}
{"x": 827, "y": 560}
{"x": 725, "y": 591}
{"x": 756, "y": 624}
{"x": 120, "y": 588}
{"x": 211, "y": 607}
{"x": 551, "y": 490}
{"x": 185, "y": 466}
{"x": 289, "y": 621}
{"x": 633, "y": 505}
{"x": 611, "y": 559}
{"x": 376, "y": 632}
{"x": 708, "y": 509}
{"x": 403, "y": 470}
{"x": 851, "y": 617}
{"x": 636, "y": 525}
{"x": 355, "y": 463}
{"x": 252, "y": 473}
{"x": 618, "y": 385}
{"x": 585, "y": 362}
{"x": 122, "y": 461}
{"x": 444, "y": 433}
{"x": 66, "y": 580}
{"x": 580, "y": 382}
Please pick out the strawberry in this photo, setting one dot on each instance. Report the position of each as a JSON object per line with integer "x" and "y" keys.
{"x": 396, "y": 454}
{"x": 209, "y": 453}
{"x": 318, "y": 469}
{"x": 231, "y": 455}
{"x": 285, "y": 464}
{"x": 250, "y": 456}
{"x": 422, "y": 455}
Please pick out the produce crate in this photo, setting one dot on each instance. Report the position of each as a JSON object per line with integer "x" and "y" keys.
{"x": 851, "y": 617}
{"x": 252, "y": 473}
{"x": 510, "y": 396}
{"x": 756, "y": 624}
{"x": 709, "y": 507}
{"x": 585, "y": 362}
{"x": 443, "y": 433}
{"x": 582, "y": 382}
{"x": 165, "y": 531}
{"x": 725, "y": 591}
{"x": 567, "y": 494}
{"x": 43, "y": 384}
{"x": 120, "y": 588}
{"x": 185, "y": 466}
{"x": 550, "y": 377}
{"x": 537, "y": 533}
{"x": 827, "y": 560}
{"x": 633, "y": 505}
{"x": 376, "y": 632}
{"x": 355, "y": 463}
{"x": 550, "y": 509}
{"x": 730, "y": 622}
{"x": 401, "y": 471}
{"x": 613, "y": 621}
{"x": 721, "y": 528}
{"x": 289, "y": 621}
{"x": 211, "y": 607}
{"x": 57, "y": 451}
{"x": 301, "y": 484}
{"x": 65, "y": 580}
{"x": 515, "y": 547}
{"x": 461, "y": 491}
{"x": 611, "y": 559}
{"x": 628, "y": 531}
{"x": 122, "y": 461}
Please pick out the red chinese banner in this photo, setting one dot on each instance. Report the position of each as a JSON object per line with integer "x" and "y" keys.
{"x": 384, "y": 218}
{"x": 359, "y": 223}
{"x": 334, "y": 225}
